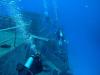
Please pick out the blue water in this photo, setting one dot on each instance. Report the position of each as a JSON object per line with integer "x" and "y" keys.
{"x": 80, "y": 20}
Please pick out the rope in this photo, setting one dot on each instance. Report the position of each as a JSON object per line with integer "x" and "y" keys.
{"x": 55, "y": 9}
{"x": 45, "y": 7}
{"x": 56, "y": 13}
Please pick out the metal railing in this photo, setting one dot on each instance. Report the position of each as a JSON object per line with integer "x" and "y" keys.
{"x": 10, "y": 28}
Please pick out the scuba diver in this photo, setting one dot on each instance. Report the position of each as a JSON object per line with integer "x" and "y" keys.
{"x": 34, "y": 63}
{"x": 60, "y": 37}
{"x": 36, "y": 66}
{"x": 32, "y": 66}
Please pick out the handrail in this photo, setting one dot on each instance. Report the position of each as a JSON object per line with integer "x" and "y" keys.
{"x": 34, "y": 36}
{"x": 40, "y": 38}
{"x": 10, "y": 28}
{"x": 6, "y": 40}
{"x": 14, "y": 27}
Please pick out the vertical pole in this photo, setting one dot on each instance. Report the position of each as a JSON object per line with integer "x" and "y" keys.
{"x": 15, "y": 37}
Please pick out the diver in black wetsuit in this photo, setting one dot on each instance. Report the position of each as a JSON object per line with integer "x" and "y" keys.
{"x": 60, "y": 37}
{"x": 32, "y": 67}
{"x": 37, "y": 66}
{"x": 33, "y": 64}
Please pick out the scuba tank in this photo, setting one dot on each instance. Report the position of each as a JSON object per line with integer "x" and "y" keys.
{"x": 32, "y": 66}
